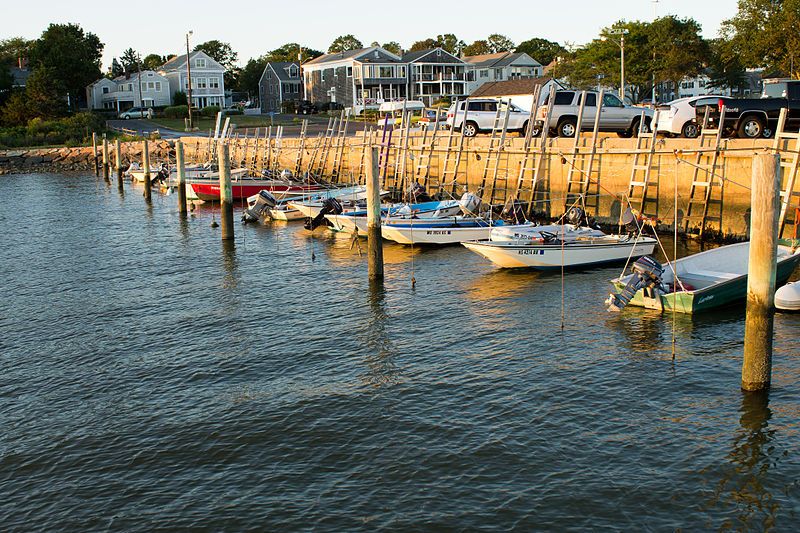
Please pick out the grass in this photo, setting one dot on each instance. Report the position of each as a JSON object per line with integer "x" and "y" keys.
{"x": 241, "y": 121}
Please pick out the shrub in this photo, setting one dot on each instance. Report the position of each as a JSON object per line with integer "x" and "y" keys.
{"x": 176, "y": 111}
{"x": 234, "y": 111}
{"x": 289, "y": 107}
{"x": 71, "y": 131}
{"x": 210, "y": 111}
{"x": 179, "y": 98}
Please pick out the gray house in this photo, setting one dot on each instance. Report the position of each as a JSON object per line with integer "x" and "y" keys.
{"x": 208, "y": 78}
{"x": 500, "y": 67}
{"x": 434, "y": 74}
{"x": 360, "y": 79}
{"x": 279, "y": 83}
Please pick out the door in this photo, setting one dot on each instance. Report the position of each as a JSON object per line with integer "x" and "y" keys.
{"x": 614, "y": 116}
{"x": 589, "y": 111}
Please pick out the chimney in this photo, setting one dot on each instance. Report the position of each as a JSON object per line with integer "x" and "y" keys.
{"x": 23, "y": 63}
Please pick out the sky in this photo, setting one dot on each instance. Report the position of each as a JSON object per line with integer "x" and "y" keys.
{"x": 254, "y": 28}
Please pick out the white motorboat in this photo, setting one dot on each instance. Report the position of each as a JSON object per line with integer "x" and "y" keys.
{"x": 553, "y": 253}
{"x": 357, "y": 220}
{"x": 534, "y": 233}
{"x": 441, "y": 231}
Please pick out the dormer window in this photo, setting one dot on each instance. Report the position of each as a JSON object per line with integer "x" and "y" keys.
{"x": 377, "y": 54}
{"x": 200, "y": 62}
{"x": 438, "y": 52}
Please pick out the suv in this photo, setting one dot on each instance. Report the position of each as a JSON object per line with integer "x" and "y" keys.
{"x": 305, "y": 107}
{"x": 481, "y": 115}
{"x": 614, "y": 115}
{"x": 136, "y": 112}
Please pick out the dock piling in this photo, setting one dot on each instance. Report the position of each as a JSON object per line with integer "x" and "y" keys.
{"x": 374, "y": 239}
{"x": 94, "y": 152}
{"x": 106, "y": 163}
{"x": 146, "y": 164}
{"x": 181, "y": 163}
{"x": 225, "y": 192}
{"x": 118, "y": 161}
{"x": 761, "y": 273}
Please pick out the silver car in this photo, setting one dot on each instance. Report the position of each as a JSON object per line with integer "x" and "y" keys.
{"x": 136, "y": 112}
{"x": 481, "y": 114}
{"x": 615, "y": 116}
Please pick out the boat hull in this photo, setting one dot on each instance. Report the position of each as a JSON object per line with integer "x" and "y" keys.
{"x": 554, "y": 256}
{"x": 208, "y": 190}
{"x": 437, "y": 234}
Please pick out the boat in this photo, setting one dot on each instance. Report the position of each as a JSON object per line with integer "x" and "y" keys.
{"x": 529, "y": 232}
{"x": 705, "y": 281}
{"x": 207, "y": 188}
{"x": 548, "y": 253}
{"x": 787, "y": 298}
{"x": 357, "y": 220}
{"x": 265, "y": 205}
{"x": 450, "y": 230}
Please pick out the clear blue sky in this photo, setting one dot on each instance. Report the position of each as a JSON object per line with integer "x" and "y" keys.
{"x": 253, "y": 28}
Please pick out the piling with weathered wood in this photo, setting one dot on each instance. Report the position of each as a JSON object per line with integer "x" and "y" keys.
{"x": 146, "y": 164}
{"x": 225, "y": 192}
{"x": 118, "y": 161}
{"x": 761, "y": 273}
{"x": 181, "y": 164}
{"x": 106, "y": 163}
{"x": 94, "y": 153}
{"x": 374, "y": 239}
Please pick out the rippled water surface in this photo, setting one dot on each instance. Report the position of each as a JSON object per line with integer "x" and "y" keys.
{"x": 153, "y": 379}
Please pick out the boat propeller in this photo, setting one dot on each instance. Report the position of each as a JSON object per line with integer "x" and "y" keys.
{"x": 646, "y": 273}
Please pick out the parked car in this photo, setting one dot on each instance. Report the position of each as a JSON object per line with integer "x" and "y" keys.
{"x": 481, "y": 114}
{"x": 136, "y": 112}
{"x": 752, "y": 118}
{"x": 305, "y": 107}
{"x": 677, "y": 118}
{"x": 615, "y": 116}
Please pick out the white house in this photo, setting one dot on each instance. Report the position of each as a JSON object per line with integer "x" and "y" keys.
{"x": 125, "y": 92}
{"x": 519, "y": 91}
{"x": 501, "y": 66}
{"x": 208, "y": 83}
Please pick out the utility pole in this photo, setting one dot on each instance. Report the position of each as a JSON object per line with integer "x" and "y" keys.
{"x": 139, "y": 67}
{"x": 189, "y": 79}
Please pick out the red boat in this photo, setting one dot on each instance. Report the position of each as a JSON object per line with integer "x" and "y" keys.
{"x": 208, "y": 190}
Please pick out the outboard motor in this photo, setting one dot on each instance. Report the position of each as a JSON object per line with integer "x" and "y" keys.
{"x": 470, "y": 204}
{"x": 646, "y": 273}
{"x": 417, "y": 194}
{"x": 257, "y": 206}
{"x": 330, "y": 206}
{"x": 578, "y": 217}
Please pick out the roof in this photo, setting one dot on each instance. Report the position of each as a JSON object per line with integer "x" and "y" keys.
{"x": 360, "y": 55}
{"x": 279, "y": 68}
{"x": 179, "y": 62}
{"x": 511, "y": 87}
{"x": 410, "y": 57}
{"x": 19, "y": 76}
{"x": 133, "y": 76}
{"x": 500, "y": 59}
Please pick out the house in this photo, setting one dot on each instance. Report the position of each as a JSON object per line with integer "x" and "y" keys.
{"x": 125, "y": 92}
{"x": 519, "y": 91}
{"x": 434, "y": 74}
{"x": 280, "y": 82}
{"x": 360, "y": 79}
{"x": 500, "y": 67}
{"x": 20, "y": 74}
{"x": 208, "y": 83}
{"x": 700, "y": 85}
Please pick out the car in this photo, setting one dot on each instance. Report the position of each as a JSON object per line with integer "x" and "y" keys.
{"x": 305, "y": 107}
{"x": 615, "y": 116}
{"x": 677, "y": 118}
{"x": 481, "y": 114}
{"x": 136, "y": 112}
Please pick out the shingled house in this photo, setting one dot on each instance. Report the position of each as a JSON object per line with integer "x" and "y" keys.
{"x": 501, "y": 66}
{"x": 519, "y": 91}
{"x": 434, "y": 74}
{"x": 279, "y": 83}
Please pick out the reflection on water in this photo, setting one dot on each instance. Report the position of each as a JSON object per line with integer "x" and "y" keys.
{"x": 379, "y": 359}
{"x": 502, "y": 284}
{"x": 229, "y": 262}
{"x": 743, "y": 487}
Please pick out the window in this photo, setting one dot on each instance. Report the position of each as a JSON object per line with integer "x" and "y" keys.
{"x": 200, "y": 83}
{"x": 200, "y": 62}
{"x": 323, "y": 75}
{"x": 213, "y": 83}
{"x": 105, "y": 90}
{"x": 130, "y": 87}
{"x": 385, "y": 72}
{"x": 349, "y": 72}
{"x": 151, "y": 85}
{"x": 158, "y": 86}
{"x": 591, "y": 100}
{"x": 483, "y": 106}
{"x": 610, "y": 100}
{"x": 402, "y": 71}
{"x": 565, "y": 98}
{"x": 484, "y": 73}
{"x": 498, "y": 74}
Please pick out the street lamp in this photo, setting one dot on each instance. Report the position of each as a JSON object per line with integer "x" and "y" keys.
{"x": 621, "y": 43}
{"x": 189, "y": 79}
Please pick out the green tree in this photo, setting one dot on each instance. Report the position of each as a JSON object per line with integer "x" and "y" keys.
{"x": 251, "y": 74}
{"x": 541, "y": 50}
{"x": 725, "y": 69}
{"x": 116, "y": 69}
{"x": 450, "y": 43}
{"x": 223, "y": 54}
{"x": 131, "y": 60}
{"x": 180, "y": 98}
{"x": 43, "y": 98}
{"x": 343, "y": 43}
{"x": 425, "y": 44}
{"x": 14, "y": 48}
{"x": 153, "y": 61}
{"x": 499, "y": 43}
{"x": 291, "y": 52}
{"x": 393, "y": 47}
{"x": 71, "y": 55}
{"x": 678, "y": 48}
{"x": 477, "y": 48}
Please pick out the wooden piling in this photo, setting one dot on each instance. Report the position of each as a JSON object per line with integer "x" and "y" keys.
{"x": 94, "y": 151}
{"x": 146, "y": 164}
{"x": 106, "y": 163}
{"x": 181, "y": 163}
{"x": 758, "y": 332}
{"x": 118, "y": 161}
{"x": 374, "y": 242}
{"x": 225, "y": 192}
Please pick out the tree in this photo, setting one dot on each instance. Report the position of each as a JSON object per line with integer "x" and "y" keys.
{"x": 725, "y": 70}
{"x": 291, "y": 52}
{"x": 153, "y": 61}
{"x": 678, "y": 49}
{"x": 11, "y": 50}
{"x": 43, "y": 98}
{"x": 477, "y": 48}
{"x": 71, "y": 55}
{"x": 251, "y": 74}
{"x": 343, "y": 43}
{"x": 425, "y": 44}
{"x": 393, "y": 47}
{"x": 223, "y": 54}
{"x": 131, "y": 60}
{"x": 450, "y": 43}
{"x": 499, "y": 43}
{"x": 116, "y": 69}
{"x": 180, "y": 98}
{"x": 541, "y": 50}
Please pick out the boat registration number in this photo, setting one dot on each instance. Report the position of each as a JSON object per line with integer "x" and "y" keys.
{"x": 530, "y": 252}
{"x": 438, "y": 232}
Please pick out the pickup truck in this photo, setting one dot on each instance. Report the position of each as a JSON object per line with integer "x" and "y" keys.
{"x": 481, "y": 114}
{"x": 614, "y": 115}
{"x": 752, "y": 118}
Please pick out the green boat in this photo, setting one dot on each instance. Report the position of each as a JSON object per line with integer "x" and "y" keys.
{"x": 708, "y": 280}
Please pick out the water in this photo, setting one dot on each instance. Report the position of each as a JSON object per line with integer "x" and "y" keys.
{"x": 152, "y": 378}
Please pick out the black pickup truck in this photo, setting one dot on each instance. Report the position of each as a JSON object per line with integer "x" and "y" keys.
{"x": 752, "y": 118}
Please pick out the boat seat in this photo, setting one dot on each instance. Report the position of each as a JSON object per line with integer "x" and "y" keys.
{"x": 708, "y": 275}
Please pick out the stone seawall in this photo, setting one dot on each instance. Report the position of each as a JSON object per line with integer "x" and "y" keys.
{"x": 74, "y": 158}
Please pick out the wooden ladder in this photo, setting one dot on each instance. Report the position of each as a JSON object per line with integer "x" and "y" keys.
{"x": 582, "y": 187}
{"x": 453, "y": 153}
{"x": 339, "y": 147}
{"x": 790, "y": 158}
{"x": 301, "y": 148}
{"x": 426, "y": 153}
{"x": 536, "y": 167}
{"x": 707, "y": 186}
{"x": 326, "y": 145}
{"x": 494, "y": 157}
{"x": 642, "y": 177}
